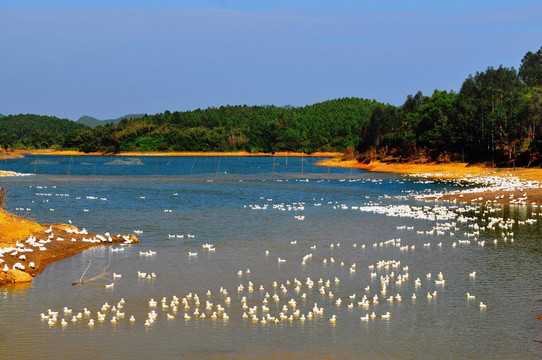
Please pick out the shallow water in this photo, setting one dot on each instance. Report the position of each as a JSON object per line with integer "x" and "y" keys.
{"x": 237, "y": 205}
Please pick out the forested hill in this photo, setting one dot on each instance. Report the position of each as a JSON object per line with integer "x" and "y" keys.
{"x": 93, "y": 122}
{"x": 496, "y": 116}
{"x": 334, "y": 124}
{"x": 36, "y": 131}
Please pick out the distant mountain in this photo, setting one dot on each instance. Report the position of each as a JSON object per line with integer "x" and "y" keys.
{"x": 93, "y": 122}
{"x": 287, "y": 106}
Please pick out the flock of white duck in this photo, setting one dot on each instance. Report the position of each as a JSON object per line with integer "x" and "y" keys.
{"x": 318, "y": 299}
{"x": 294, "y": 300}
{"x": 17, "y": 253}
{"x": 492, "y": 184}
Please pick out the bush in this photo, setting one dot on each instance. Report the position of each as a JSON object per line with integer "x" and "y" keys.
{"x": 2, "y": 197}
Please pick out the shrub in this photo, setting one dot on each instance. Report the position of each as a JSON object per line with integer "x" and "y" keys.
{"x": 2, "y": 197}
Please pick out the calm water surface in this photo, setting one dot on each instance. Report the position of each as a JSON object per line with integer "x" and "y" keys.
{"x": 291, "y": 208}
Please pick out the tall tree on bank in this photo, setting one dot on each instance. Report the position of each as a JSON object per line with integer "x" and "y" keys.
{"x": 493, "y": 101}
{"x": 530, "y": 70}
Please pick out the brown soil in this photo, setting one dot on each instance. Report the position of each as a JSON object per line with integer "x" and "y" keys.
{"x": 9, "y": 154}
{"x": 458, "y": 171}
{"x": 14, "y": 228}
{"x": 15, "y": 231}
{"x": 436, "y": 170}
{"x": 179, "y": 153}
{"x": 516, "y": 197}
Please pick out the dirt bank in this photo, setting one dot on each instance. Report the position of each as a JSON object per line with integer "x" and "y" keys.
{"x": 9, "y": 154}
{"x": 8, "y": 173}
{"x": 169, "y": 153}
{"x": 26, "y": 247}
{"x": 520, "y": 186}
{"x": 437, "y": 170}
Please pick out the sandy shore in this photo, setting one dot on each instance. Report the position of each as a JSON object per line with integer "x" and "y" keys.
{"x": 26, "y": 247}
{"x": 520, "y": 186}
{"x": 179, "y": 153}
{"x": 9, "y": 155}
{"x": 8, "y": 173}
{"x": 437, "y": 171}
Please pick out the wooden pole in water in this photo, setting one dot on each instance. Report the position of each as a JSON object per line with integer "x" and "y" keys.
{"x": 218, "y": 167}
{"x": 70, "y": 165}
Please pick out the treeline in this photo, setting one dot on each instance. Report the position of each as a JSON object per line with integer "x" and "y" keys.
{"x": 36, "y": 131}
{"x": 330, "y": 125}
{"x": 496, "y": 116}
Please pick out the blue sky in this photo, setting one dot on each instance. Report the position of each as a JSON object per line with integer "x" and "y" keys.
{"x": 110, "y": 58}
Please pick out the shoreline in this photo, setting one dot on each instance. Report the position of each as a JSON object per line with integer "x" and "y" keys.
{"x": 519, "y": 186}
{"x": 20, "y": 152}
{"x": 11, "y": 173}
{"x": 445, "y": 171}
{"x": 27, "y": 247}
{"x": 9, "y": 155}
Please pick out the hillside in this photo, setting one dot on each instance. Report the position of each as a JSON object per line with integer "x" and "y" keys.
{"x": 36, "y": 131}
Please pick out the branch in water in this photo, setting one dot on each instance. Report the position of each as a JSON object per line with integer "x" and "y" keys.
{"x": 103, "y": 274}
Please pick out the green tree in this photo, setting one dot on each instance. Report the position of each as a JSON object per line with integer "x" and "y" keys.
{"x": 530, "y": 70}
{"x": 493, "y": 101}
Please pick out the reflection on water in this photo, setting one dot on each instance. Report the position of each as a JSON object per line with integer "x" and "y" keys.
{"x": 348, "y": 217}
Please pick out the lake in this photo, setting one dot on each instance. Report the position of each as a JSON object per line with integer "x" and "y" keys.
{"x": 273, "y": 237}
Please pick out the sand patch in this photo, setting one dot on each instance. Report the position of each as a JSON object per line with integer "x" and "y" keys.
{"x": 173, "y": 153}
{"x": 29, "y": 246}
{"x": 519, "y": 186}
